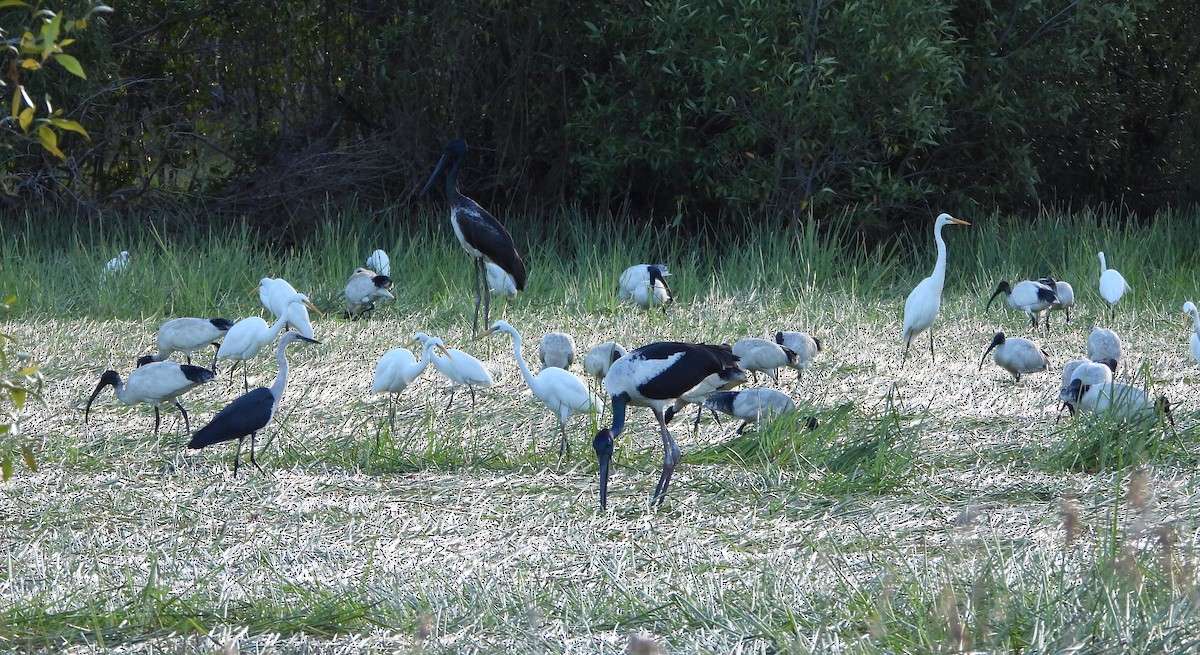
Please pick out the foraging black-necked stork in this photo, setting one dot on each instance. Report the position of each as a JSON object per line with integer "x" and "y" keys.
{"x": 251, "y": 411}
{"x": 1034, "y": 297}
{"x": 186, "y": 335}
{"x": 154, "y": 383}
{"x": 654, "y": 376}
{"x": 923, "y": 302}
{"x": 481, "y": 235}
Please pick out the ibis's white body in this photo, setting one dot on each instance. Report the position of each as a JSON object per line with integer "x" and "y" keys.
{"x": 1066, "y": 298}
{"x": 362, "y": 293}
{"x": 600, "y": 358}
{"x": 186, "y": 335}
{"x": 557, "y": 350}
{"x": 117, "y": 264}
{"x": 1102, "y": 344}
{"x": 1116, "y": 400}
{"x": 1112, "y": 283}
{"x": 154, "y": 384}
{"x": 1017, "y": 356}
{"x": 761, "y": 355}
{"x": 637, "y": 287}
{"x": 806, "y": 347}
{"x": 751, "y": 405}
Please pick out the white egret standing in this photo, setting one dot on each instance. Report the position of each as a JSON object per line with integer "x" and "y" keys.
{"x": 460, "y": 368}
{"x": 186, "y": 335}
{"x": 153, "y": 384}
{"x": 1190, "y": 308}
{"x": 251, "y": 411}
{"x": 247, "y": 337}
{"x": 1112, "y": 283}
{"x": 921, "y": 307}
{"x": 276, "y": 294}
{"x": 398, "y": 368}
{"x": 379, "y": 262}
{"x": 560, "y": 391}
{"x": 116, "y": 265}
{"x": 1017, "y": 356}
{"x": 500, "y": 283}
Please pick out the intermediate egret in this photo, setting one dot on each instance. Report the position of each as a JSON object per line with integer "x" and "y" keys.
{"x": 251, "y": 411}
{"x": 1034, "y": 297}
{"x": 1066, "y": 298}
{"x": 601, "y": 357}
{"x": 1190, "y": 308}
{"x": 557, "y": 350}
{"x": 560, "y": 391}
{"x": 479, "y": 233}
{"x": 398, "y": 368}
{"x": 460, "y": 368}
{"x": 364, "y": 289}
{"x": 276, "y": 294}
{"x": 720, "y": 381}
{"x": 1116, "y": 400}
{"x": 1017, "y": 356}
{"x": 1112, "y": 283}
{"x": 499, "y": 282}
{"x": 806, "y": 348}
{"x": 187, "y": 335}
{"x": 153, "y": 384}
{"x": 751, "y": 405}
{"x": 924, "y": 301}
{"x": 756, "y": 355}
{"x": 645, "y": 285}
{"x": 653, "y": 376}
{"x": 1103, "y": 343}
{"x": 379, "y": 262}
{"x": 247, "y": 337}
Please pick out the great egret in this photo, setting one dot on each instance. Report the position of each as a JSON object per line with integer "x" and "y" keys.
{"x": 1190, "y": 308}
{"x": 398, "y": 368}
{"x": 153, "y": 384}
{"x": 1017, "y": 356}
{"x": 460, "y": 368}
{"x": 645, "y": 285}
{"x": 1112, "y": 283}
{"x": 276, "y": 295}
{"x": 247, "y": 337}
{"x": 187, "y": 335}
{"x": 923, "y": 303}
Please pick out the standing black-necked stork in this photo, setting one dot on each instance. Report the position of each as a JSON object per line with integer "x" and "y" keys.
{"x": 154, "y": 383}
{"x": 251, "y": 411}
{"x": 654, "y": 376}
{"x": 481, "y": 235}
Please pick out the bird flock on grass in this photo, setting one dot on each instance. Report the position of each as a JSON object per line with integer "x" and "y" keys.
{"x": 663, "y": 376}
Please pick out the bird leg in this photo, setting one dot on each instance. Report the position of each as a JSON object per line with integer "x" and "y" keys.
{"x": 932, "y": 358}
{"x": 252, "y": 461}
{"x": 479, "y": 273}
{"x": 156, "y": 420}
{"x": 216, "y": 347}
{"x": 742, "y": 427}
{"x": 187, "y": 425}
{"x": 671, "y": 457}
{"x": 237, "y": 456}
{"x": 452, "y": 389}
{"x": 564, "y": 444}
{"x": 486, "y": 293}
{"x": 471, "y": 388}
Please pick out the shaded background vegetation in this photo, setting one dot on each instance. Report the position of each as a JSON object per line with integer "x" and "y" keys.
{"x": 712, "y": 113}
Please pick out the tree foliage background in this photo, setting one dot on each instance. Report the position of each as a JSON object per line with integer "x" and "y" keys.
{"x": 720, "y": 112}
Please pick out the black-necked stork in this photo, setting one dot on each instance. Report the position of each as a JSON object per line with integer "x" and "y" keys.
{"x": 276, "y": 295}
{"x": 248, "y": 336}
{"x": 153, "y": 384}
{"x": 251, "y": 411}
{"x": 186, "y": 335}
{"x": 653, "y": 376}
{"x": 364, "y": 288}
{"x": 560, "y": 391}
{"x": 598, "y": 360}
{"x": 645, "y": 285}
{"x": 481, "y": 235}
{"x": 756, "y": 355}
{"x": 923, "y": 302}
{"x": 1189, "y": 307}
{"x": 751, "y": 405}
{"x": 1034, "y": 297}
{"x": 557, "y": 350}
{"x": 398, "y": 368}
{"x": 1103, "y": 343}
{"x": 805, "y": 346}
{"x": 460, "y": 368}
{"x": 1015, "y": 355}
{"x": 1112, "y": 283}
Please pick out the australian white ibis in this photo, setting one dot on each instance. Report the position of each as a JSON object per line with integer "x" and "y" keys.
{"x": 1033, "y": 297}
{"x": 923, "y": 302}
{"x": 751, "y": 405}
{"x": 645, "y": 285}
{"x": 247, "y": 337}
{"x": 499, "y": 282}
{"x": 116, "y": 265}
{"x": 1116, "y": 400}
{"x": 756, "y": 355}
{"x": 601, "y": 357}
{"x": 364, "y": 288}
{"x": 1017, "y": 356}
{"x": 653, "y": 376}
{"x": 187, "y": 335}
{"x": 805, "y": 346}
{"x": 557, "y": 350}
{"x": 1087, "y": 371}
{"x": 1103, "y": 343}
{"x": 460, "y": 368}
{"x": 153, "y": 384}
{"x": 479, "y": 233}
{"x": 1112, "y": 283}
{"x": 719, "y": 381}
{"x": 1065, "y": 294}
{"x": 251, "y": 411}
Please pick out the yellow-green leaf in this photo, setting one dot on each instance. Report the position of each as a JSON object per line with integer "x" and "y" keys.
{"x": 18, "y": 397}
{"x": 27, "y": 371}
{"x": 30, "y": 64}
{"x": 50, "y": 34}
{"x": 16, "y": 103}
{"x": 73, "y": 126}
{"x": 6, "y": 468}
{"x": 65, "y": 42}
{"x": 81, "y": 24}
{"x": 13, "y": 3}
{"x": 71, "y": 64}
{"x": 49, "y": 141}
{"x": 27, "y": 454}
{"x": 10, "y": 299}
{"x": 25, "y": 119}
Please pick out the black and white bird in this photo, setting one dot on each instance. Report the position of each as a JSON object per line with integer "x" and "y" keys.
{"x": 251, "y": 411}
{"x": 720, "y": 381}
{"x": 645, "y": 285}
{"x": 1017, "y": 356}
{"x": 925, "y": 300}
{"x": 479, "y": 233}
{"x": 187, "y": 335}
{"x": 557, "y": 350}
{"x": 757, "y": 355}
{"x": 1033, "y": 297}
{"x": 601, "y": 357}
{"x": 248, "y": 336}
{"x": 379, "y": 262}
{"x": 1065, "y": 301}
{"x": 1115, "y": 400}
{"x": 398, "y": 368}
{"x": 1112, "y": 283}
{"x": 806, "y": 348}
{"x": 276, "y": 295}
{"x": 751, "y": 405}
{"x": 1089, "y": 373}
{"x": 460, "y": 368}
{"x": 153, "y": 384}
{"x": 654, "y": 376}
{"x": 1189, "y": 307}
{"x": 1103, "y": 343}
{"x": 364, "y": 288}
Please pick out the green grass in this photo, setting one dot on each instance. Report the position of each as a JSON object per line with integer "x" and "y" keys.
{"x": 937, "y": 507}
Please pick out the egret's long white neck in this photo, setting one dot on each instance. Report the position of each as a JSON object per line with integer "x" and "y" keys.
{"x": 1103, "y": 264}
{"x": 525, "y": 372}
{"x": 1195, "y": 320}
{"x": 426, "y": 355}
{"x": 281, "y": 377}
{"x": 939, "y": 268}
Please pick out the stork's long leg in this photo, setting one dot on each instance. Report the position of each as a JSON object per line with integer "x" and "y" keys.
{"x": 187, "y": 425}
{"x": 671, "y": 456}
{"x": 487, "y": 295}
{"x": 478, "y": 297}
{"x": 252, "y": 460}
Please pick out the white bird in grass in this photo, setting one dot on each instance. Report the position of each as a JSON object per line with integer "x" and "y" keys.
{"x": 116, "y": 265}
{"x": 247, "y": 337}
{"x": 1066, "y": 298}
{"x": 398, "y": 368}
{"x": 1102, "y": 344}
{"x": 806, "y": 348}
{"x": 1190, "y": 308}
{"x": 751, "y": 405}
{"x": 1017, "y": 356}
{"x": 187, "y": 335}
{"x": 645, "y": 285}
{"x": 1087, "y": 371}
{"x": 921, "y": 307}
{"x": 653, "y": 376}
{"x": 460, "y": 368}
{"x": 719, "y": 381}
{"x": 557, "y": 350}
{"x": 756, "y": 355}
{"x": 276, "y": 294}
{"x": 364, "y": 288}
{"x": 1115, "y": 400}
{"x": 1033, "y": 297}
{"x": 499, "y": 282}
{"x": 379, "y": 262}
{"x": 1112, "y": 283}
{"x": 560, "y": 391}
{"x": 251, "y": 411}
{"x": 153, "y": 384}
{"x": 601, "y": 357}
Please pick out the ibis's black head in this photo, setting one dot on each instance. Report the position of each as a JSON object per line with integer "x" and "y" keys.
{"x": 1004, "y": 288}
{"x": 1109, "y": 362}
{"x": 145, "y": 359}
{"x": 603, "y": 445}
{"x": 791, "y": 355}
{"x": 997, "y": 340}
{"x": 222, "y": 324}
{"x": 811, "y": 423}
{"x": 779, "y": 338}
{"x": 382, "y": 282}
{"x": 818, "y": 342}
{"x": 1163, "y": 406}
{"x": 108, "y": 379}
{"x": 1071, "y": 393}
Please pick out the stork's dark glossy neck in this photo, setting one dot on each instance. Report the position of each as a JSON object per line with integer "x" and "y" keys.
{"x": 619, "y": 402}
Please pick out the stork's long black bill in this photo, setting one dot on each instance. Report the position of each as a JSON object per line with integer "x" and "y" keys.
{"x": 433, "y": 178}
{"x": 603, "y": 445}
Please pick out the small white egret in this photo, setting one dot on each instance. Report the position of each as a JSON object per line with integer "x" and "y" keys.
{"x": 364, "y": 289}
{"x": 153, "y": 384}
{"x": 116, "y": 265}
{"x": 460, "y": 368}
{"x": 187, "y": 335}
{"x": 247, "y": 337}
{"x": 379, "y": 262}
{"x": 499, "y": 282}
{"x": 1017, "y": 356}
{"x": 756, "y": 355}
{"x": 923, "y": 302}
{"x": 1190, "y": 308}
{"x": 557, "y": 349}
{"x": 645, "y": 285}
{"x": 1112, "y": 283}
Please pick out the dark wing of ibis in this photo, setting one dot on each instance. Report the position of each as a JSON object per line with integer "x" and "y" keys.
{"x": 692, "y": 362}
{"x": 196, "y": 374}
{"x": 488, "y": 236}
{"x": 250, "y": 412}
